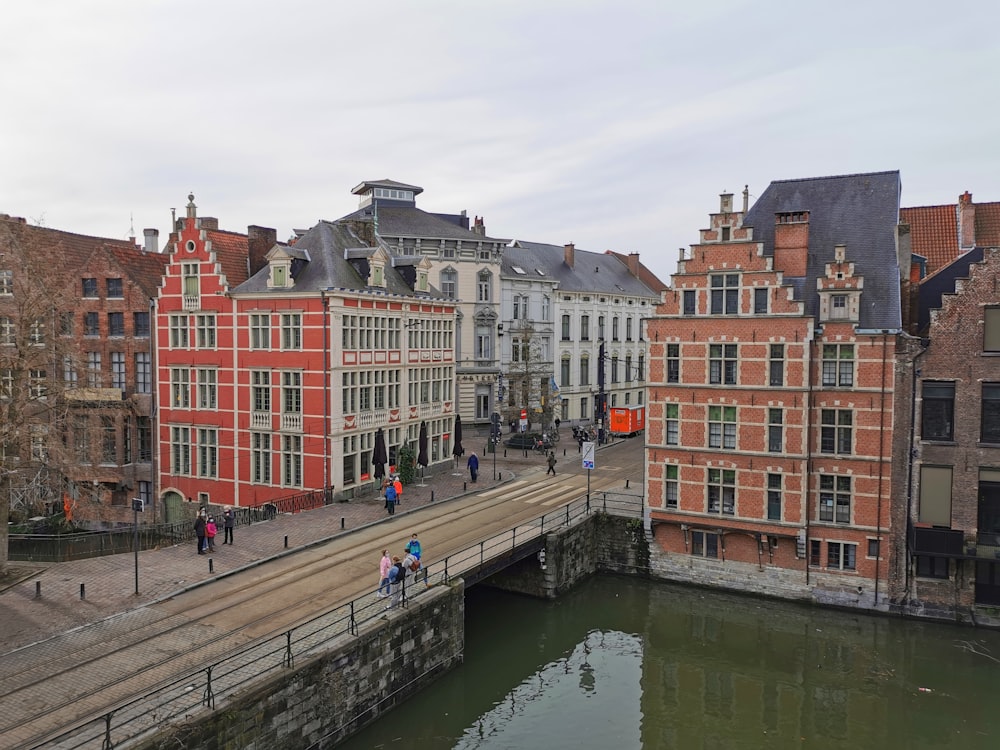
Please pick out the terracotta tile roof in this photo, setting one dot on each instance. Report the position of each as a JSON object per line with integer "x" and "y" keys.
{"x": 232, "y": 250}
{"x": 933, "y": 233}
{"x": 646, "y": 276}
{"x": 145, "y": 269}
{"x": 988, "y": 224}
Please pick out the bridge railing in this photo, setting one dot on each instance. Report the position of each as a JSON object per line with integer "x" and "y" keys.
{"x": 220, "y": 678}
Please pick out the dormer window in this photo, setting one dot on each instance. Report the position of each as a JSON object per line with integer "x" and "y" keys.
{"x": 280, "y": 276}
{"x": 422, "y": 280}
{"x": 838, "y": 307}
{"x": 378, "y": 276}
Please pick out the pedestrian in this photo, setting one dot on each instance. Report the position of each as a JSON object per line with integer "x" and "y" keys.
{"x": 210, "y": 531}
{"x": 473, "y": 464}
{"x": 552, "y": 463}
{"x": 411, "y": 564}
{"x": 390, "y": 498}
{"x": 199, "y": 531}
{"x": 383, "y": 574}
{"x": 228, "y": 524}
{"x": 413, "y": 546}
{"x": 397, "y": 484}
{"x": 397, "y": 573}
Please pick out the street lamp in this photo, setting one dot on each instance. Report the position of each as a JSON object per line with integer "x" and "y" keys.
{"x": 136, "y": 507}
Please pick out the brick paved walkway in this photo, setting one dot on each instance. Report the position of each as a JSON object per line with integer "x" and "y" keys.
{"x": 110, "y": 581}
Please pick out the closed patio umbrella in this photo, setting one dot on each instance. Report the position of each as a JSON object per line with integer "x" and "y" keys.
{"x": 422, "y": 446}
{"x": 458, "y": 450}
{"x": 379, "y": 454}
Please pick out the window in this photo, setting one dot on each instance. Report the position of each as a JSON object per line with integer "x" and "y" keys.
{"x": 483, "y": 287}
{"x": 937, "y": 411}
{"x": 722, "y": 491}
{"x": 935, "y": 495}
{"x": 614, "y": 368}
{"x": 89, "y": 287}
{"x": 7, "y": 331}
{"x": 140, "y": 324}
{"x": 835, "y": 431}
{"x": 36, "y": 333}
{"x": 932, "y": 567}
{"x": 670, "y": 486}
{"x": 449, "y": 282}
{"x": 672, "y": 422}
{"x": 834, "y": 498}
{"x": 990, "y": 413}
{"x": 840, "y": 556}
{"x": 776, "y": 369}
{"x": 704, "y": 544}
{"x": 774, "y": 497}
{"x": 760, "y": 295}
{"x": 81, "y": 438}
{"x": 116, "y": 324}
{"x": 93, "y": 369}
{"x": 838, "y": 364}
{"x": 180, "y": 387}
{"x": 91, "y": 324}
{"x": 260, "y": 331}
{"x": 178, "y": 331}
{"x": 190, "y": 282}
{"x": 520, "y": 307}
{"x": 775, "y": 431}
{"x": 291, "y": 331}
{"x": 180, "y": 450}
{"x": 109, "y": 441}
{"x": 66, "y": 323}
{"x": 260, "y": 391}
{"x": 565, "y": 336}
{"x": 143, "y": 372}
{"x": 260, "y": 457}
{"x": 722, "y": 364}
{"x": 114, "y": 288}
{"x": 584, "y": 328}
{"x": 6, "y": 283}
{"x": 69, "y": 372}
{"x": 991, "y": 329}
{"x": 36, "y": 384}
{"x": 614, "y": 328}
{"x": 722, "y": 427}
{"x": 690, "y": 299}
{"x": 484, "y": 343}
{"x": 546, "y": 307}
{"x": 205, "y": 331}
{"x": 628, "y": 329}
{"x": 291, "y": 392}
{"x": 838, "y": 307}
{"x": 118, "y": 370}
{"x": 564, "y": 368}
{"x": 207, "y": 388}
{"x": 584, "y": 371}
{"x": 725, "y": 293}
{"x": 208, "y": 452}
{"x": 144, "y": 434}
{"x": 291, "y": 460}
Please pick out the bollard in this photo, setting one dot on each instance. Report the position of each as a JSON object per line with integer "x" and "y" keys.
{"x": 432, "y": 496}
{"x": 341, "y": 522}
{"x": 211, "y": 565}
{"x": 83, "y": 592}
{"x": 626, "y": 484}
{"x": 286, "y": 541}
{"x": 38, "y": 589}
{"x": 465, "y": 486}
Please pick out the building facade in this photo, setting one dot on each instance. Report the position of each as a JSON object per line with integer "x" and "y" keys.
{"x": 772, "y": 395}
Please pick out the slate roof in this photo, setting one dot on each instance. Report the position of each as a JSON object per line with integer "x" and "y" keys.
{"x": 409, "y": 221}
{"x": 860, "y": 211}
{"x": 591, "y": 272}
{"x": 329, "y": 244}
{"x": 363, "y": 187}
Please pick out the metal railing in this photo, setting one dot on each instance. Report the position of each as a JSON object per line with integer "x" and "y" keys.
{"x": 202, "y": 689}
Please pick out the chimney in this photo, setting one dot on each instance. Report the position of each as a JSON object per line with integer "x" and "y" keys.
{"x": 208, "y": 222}
{"x": 725, "y": 203}
{"x": 746, "y": 198}
{"x": 633, "y": 264}
{"x": 966, "y": 222}
{"x": 478, "y": 227}
{"x": 791, "y": 243}
{"x": 151, "y": 240}
{"x": 259, "y": 241}
{"x": 569, "y": 251}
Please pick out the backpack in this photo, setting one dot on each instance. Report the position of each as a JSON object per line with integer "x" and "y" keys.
{"x": 397, "y": 573}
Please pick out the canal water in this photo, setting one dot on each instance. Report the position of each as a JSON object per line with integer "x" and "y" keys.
{"x": 621, "y": 663}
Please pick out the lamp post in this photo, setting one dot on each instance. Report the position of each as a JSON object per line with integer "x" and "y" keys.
{"x": 136, "y": 507}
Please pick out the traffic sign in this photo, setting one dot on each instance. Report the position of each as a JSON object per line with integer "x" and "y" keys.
{"x": 588, "y": 451}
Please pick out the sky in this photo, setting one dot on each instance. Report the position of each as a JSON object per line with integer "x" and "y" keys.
{"x": 612, "y": 124}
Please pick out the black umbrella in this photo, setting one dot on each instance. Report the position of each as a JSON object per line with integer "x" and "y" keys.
{"x": 422, "y": 445}
{"x": 458, "y": 450}
{"x": 379, "y": 454}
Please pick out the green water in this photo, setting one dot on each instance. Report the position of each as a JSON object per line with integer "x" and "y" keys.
{"x": 622, "y": 663}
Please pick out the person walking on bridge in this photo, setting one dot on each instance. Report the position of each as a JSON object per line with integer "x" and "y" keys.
{"x": 228, "y": 524}
{"x": 390, "y": 498}
{"x": 552, "y": 463}
{"x": 473, "y": 464}
{"x": 199, "y": 531}
{"x": 383, "y": 574}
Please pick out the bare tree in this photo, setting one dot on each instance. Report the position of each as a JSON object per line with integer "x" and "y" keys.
{"x": 528, "y": 378}
{"x": 33, "y": 358}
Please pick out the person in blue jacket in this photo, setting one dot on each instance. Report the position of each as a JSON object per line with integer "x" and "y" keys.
{"x": 390, "y": 498}
{"x": 473, "y": 464}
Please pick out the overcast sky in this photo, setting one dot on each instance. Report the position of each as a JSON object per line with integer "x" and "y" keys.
{"x": 611, "y": 124}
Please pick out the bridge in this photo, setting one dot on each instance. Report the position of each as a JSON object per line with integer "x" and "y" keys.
{"x": 108, "y": 684}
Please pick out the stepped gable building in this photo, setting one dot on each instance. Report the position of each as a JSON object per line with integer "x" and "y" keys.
{"x": 600, "y": 301}
{"x": 88, "y": 449}
{"x": 464, "y": 267}
{"x": 773, "y": 395}
{"x": 279, "y": 363}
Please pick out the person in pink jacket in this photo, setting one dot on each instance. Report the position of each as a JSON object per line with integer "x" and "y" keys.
{"x": 383, "y": 574}
{"x": 210, "y": 531}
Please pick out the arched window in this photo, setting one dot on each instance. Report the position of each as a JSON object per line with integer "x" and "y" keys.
{"x": 484, "y": 287}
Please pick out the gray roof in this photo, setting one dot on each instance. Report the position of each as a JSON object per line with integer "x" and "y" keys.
{"x": 386, "y": 183}
{"x": 591, "y": 272}
{"x": 328, "y": 245}
{"x": 860, "y": 211}
{"x": 400, "y": 220}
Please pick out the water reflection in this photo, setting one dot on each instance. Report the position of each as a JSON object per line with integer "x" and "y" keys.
{"x": 627, "y": 664}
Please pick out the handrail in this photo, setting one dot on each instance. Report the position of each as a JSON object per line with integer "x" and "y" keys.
{"x": 180, "y": 697}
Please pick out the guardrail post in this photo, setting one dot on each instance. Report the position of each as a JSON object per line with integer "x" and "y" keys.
{"x": 107, "y": 744}
{"x": 83, "y": 592}
{"x": 341, "y": 522}
{"x": 38, "y": 589}
{"x": 286, "y": 541}
{"x": 208, "y": 697}
{"x": 352, "y": 623}
{"x": 567, "y": 515}
{"x": 211, "y": 565}
{"x": 289, "y": 659}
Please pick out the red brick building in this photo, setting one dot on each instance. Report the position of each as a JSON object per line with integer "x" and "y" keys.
{"x": 772, "y": 395}
{"x": 279, "y": 363}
